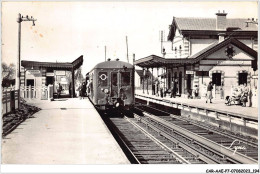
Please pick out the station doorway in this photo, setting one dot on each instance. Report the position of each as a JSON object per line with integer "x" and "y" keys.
{"x": 30, "y": 82}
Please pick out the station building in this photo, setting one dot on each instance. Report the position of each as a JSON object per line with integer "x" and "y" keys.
{"x": 39, "y": 75}
{"x": 219, "y": 49}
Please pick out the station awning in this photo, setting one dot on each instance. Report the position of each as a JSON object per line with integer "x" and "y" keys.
{"x": 154, "y": 61}
{"x": 55, "y": 65}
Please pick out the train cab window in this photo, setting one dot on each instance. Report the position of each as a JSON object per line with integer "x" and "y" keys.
{"x": 102, "y": 78}
{"x": 125, "y": 78}
{"x": 114, "y": 79}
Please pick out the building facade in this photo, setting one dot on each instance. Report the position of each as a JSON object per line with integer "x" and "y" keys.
{"x": 39, "y": 75}
{"x": 219, "y": 49}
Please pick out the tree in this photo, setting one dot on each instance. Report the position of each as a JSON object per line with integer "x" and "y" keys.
{"x": 78, "y": 75}
{"x": 8, "y": 74}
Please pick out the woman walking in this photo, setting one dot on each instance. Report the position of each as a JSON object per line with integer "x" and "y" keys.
{"x": 209, "y": 92}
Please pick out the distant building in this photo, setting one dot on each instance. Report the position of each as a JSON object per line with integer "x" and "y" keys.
{"x": 41, "y": 74}
{"x": 220, "y": 50}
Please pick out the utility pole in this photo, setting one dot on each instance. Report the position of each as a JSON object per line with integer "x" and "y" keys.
{"x": 20, "y": 19}
{"x": 127, "y": 50}
{"x": 105, "y": 53}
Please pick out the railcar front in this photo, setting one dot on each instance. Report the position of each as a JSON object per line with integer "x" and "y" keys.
{"x": 113, "y": 85}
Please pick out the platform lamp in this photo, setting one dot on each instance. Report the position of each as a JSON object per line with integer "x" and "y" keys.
{"x": 20, "y": 19}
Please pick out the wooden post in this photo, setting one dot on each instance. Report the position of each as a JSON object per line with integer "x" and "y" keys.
{"x": 30, "y": 92}
{"x": 147, "y": 82}
{"x": 73, "y": 83}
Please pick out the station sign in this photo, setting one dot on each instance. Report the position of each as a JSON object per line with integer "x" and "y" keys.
{"x": 49, "y": 74}
{"x": 60, "y": 73}
{"x": 189, "y": 72}
{"x": 254, "y": 76}
{"x": 34, "y": 71}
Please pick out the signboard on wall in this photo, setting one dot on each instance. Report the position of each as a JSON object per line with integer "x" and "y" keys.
{"x": 49, "y": 74}
{"x": 189, "y": 72}
{"x": 254, "y": 76}
{"x": 33, "y": 71}
{"x": 60, "y": 73}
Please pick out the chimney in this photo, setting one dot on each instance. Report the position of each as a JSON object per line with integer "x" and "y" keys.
{"x": 221, "y": 37}
{"x": 221, "y": 22}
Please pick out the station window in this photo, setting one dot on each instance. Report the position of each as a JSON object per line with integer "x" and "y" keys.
{"x": 102, "y": 78}
{"x": 125, "y": 78}
{"x": 242, "y": 78}
{"x": 216, "y": 79}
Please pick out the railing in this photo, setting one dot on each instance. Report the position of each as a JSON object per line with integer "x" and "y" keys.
{"x": 31, "y": 92}
{"x": 9, "y": 100}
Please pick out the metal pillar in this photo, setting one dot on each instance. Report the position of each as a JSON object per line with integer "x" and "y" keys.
{"x": 153, "y": 87}
{"x": 164, "y": 86}
{"x": 73, "y": 83}
{"x": 143, "y": 79}
{"x": 147, "y": 81}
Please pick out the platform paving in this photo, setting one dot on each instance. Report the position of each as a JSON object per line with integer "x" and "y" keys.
{"x": 67, "y": 131}
{"x": 218, "y": 104}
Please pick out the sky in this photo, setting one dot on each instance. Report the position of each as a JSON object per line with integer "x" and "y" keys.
{"x": 66, "y": 30}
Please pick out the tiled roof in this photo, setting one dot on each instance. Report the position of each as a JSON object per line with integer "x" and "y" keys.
{"x": 210, "y": 24}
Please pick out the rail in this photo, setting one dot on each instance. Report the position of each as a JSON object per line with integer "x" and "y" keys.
{"x": 219, "y": 148}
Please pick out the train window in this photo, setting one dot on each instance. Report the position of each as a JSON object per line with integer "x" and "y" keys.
{"x": 114, "y": 79}
{"x": 102, "y": 78}
{"x": 125, "y": 78}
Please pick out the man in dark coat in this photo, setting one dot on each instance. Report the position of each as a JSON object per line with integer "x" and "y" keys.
{"x": 83, "y": 90}
{"x": 59, "y": 89}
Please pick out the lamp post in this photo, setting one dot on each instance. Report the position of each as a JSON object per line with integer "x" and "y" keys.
{"x": 20, "y": 19}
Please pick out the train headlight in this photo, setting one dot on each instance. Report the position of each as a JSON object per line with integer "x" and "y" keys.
{"x": 117, "y": 104}
{"x": 106, "y": 91}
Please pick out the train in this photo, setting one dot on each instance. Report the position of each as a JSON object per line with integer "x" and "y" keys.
{"x": 111, "y": 85}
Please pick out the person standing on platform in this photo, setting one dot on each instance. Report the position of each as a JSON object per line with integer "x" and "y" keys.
{"x": 222, "y": 91}
{"x": 83, "y": 88}
{"x": 161, "y": 89}
{"x": 173, "y": 89}
{"x": 196, "y": 91}
{"x": 59, "y": 89}
{"x": 156, "y": 88}
{"x": 244, "y": 96}
{"x": 153, "y": 88}
{"x": 209, "y": 92}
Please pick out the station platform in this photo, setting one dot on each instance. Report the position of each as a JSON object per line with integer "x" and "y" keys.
{"x": 65, "y": 131}
{"x": 217, "y": 105}
{"x": 234, "y": 118}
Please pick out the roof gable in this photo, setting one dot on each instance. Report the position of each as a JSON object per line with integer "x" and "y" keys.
{"x": 239, "y": 54}
{"x": 216, "y": 46}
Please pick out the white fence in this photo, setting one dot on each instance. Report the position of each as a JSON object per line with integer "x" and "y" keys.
{"x": 31, "y": 92}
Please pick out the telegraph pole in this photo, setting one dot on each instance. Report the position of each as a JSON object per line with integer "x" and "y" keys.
{"x": 105, "y": 53}
{"x": 127, "y": 50}
{"x": 20, "y": 19}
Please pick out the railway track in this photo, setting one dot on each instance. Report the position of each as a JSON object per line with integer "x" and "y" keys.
{"x": 146, "y": 146}
{"x": 223, "y": 147}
